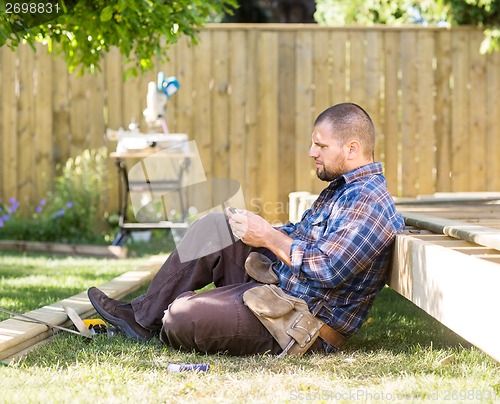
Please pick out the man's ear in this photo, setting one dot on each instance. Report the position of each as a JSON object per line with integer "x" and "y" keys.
{"x": 354, "y": 149}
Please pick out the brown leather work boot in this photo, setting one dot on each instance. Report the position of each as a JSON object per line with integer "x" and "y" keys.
{"x": 119, "y": 314}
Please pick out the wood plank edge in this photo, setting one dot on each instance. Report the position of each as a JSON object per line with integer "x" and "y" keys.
{"x": 62, "y": 248}
{"x": 485, "y": 236}
{"x": 439, "y": 281}
{"x": 116, "y": 288}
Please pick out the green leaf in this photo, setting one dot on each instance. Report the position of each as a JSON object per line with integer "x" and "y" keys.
{"x": 106, "y": 14}
{"x": 85, "y": 33}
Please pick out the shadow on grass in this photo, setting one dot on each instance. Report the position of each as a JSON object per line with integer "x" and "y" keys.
{"x": 394, "y": 326}
{"x": 32, "y": 280}
{"x": 397, "y": 325}
{"x": 398, "y": 339}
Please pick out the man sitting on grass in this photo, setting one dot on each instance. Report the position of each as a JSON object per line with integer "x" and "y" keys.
{"x": 336, "y": 258}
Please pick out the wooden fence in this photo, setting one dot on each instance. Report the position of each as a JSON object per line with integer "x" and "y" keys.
{"x": 249, "y": 95}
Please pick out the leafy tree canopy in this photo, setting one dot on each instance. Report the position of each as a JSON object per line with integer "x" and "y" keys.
{"x": 83, "y": 30}
{"x": 482, "y": 13}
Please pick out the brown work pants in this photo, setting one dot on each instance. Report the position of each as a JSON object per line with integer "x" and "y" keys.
{"x": 215, "y": 320}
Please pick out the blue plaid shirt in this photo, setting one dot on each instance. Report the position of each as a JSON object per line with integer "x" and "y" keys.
{"x": 342, "y": 248}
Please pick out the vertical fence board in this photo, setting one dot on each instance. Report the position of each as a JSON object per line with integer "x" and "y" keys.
{"x": 203, "y": 106}
{"x": 321, "y": 72}
{"x": 460, "y": 118}
{"x": 9, "y": 155}
{"x": 493, "y": 122}
{"x": 373, "y": 73}
{"x": 408, "y": 111}
{"x": 338, "y": 41}
{"x": 79, "y": 114}
{"x": 237, "y": 100}
{"x": 303, "y": 106}
{"x": 113, "y": 117}
{"x": 251, "y": 120}
{"x": 357, "y": 69}
{"x": 391, "y": 112}
{"x": 97, "y": 127}
{"x": 425, "y": 113}
{"x": 169, "y": 68}
{"x": 286, "y": 114}
{"x": 478, "y": 115}
{"x": 25, "y": 121}
{"x": 270, "y": 155}
{"x": 44, "y": 140}
{"x": 220, "y": 119}
{"x": 443, "y": 108}
{"x": 61, "y": 102}
{"x": 185, "y": 95}
{"x": 131, "y": 101}
{"x": 113, "y": 81}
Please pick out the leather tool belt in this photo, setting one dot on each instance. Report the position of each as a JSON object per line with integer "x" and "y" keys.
{"x": 286, "y": 317}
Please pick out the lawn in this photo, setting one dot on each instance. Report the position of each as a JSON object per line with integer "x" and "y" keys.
{"x": 399, "y": 354}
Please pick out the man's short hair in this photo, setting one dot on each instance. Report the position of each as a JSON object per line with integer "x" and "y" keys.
{"x": 350, "y": 122}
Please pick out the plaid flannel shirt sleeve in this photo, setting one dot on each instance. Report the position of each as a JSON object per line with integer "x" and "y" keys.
{"x": 343, "y": 244}
{"x": 287, "y": 228}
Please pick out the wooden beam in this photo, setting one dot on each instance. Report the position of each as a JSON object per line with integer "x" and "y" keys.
{"x": 459, "y": 290}
{"x": 62, "y": 248}
{"x": 451, "y": 197}
{"x": 485, "y": 236}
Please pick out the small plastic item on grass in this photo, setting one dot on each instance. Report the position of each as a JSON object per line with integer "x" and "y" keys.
{"x": 183, "y": 367}
{"x": 96, "y": 324}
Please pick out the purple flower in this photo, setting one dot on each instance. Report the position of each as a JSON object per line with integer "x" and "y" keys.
{"x": 60, "y": 213}
{"x": 43, "y": 202}
{"x": 69, "y": 205}
{"x": 14, "y": 204}
{"x": 1, "y": 223}
{"x": 38, "y": 209}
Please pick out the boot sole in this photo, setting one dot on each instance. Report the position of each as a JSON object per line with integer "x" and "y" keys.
{"x": 120, "y": 324}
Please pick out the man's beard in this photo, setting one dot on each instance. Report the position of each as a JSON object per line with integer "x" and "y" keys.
{"x": 329, "y": 174}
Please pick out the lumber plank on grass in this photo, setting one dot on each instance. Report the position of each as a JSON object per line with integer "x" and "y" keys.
{"x": 439, "y": 281}
{"x": 60, "y": 248}
{"x": 16, "y": 335}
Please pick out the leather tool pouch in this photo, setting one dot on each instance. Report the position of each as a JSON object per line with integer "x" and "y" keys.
{"x": 260, "y": 268}
{"x": 287, "y": 318}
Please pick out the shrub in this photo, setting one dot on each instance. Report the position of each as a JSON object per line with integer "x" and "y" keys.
{"x": 73, "y": 212}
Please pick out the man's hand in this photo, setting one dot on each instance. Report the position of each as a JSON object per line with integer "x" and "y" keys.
{"x": 255, "y": 231}
{"x": 249, "y": 227}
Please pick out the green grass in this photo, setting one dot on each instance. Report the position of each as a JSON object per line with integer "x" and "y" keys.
{"x": 32, "y": 280}
{"x": 394, "y": 357}
{"x": 29, "y": 281}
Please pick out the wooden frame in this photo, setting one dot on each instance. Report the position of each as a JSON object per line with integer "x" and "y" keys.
{"x": 458, "y": 289}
